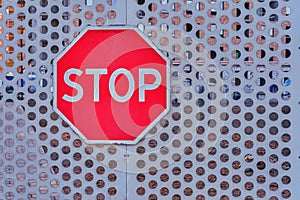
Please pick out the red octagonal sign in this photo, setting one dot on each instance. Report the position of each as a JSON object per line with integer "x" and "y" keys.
{"x": 111, "y": 85}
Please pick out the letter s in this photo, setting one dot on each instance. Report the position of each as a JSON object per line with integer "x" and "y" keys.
{"x": 72, "y": 84}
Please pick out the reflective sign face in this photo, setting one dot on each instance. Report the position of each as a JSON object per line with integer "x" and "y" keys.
{"x": 111, "y": 85}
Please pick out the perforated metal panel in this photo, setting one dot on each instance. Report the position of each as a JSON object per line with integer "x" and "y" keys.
{"x": 232, "y": 132}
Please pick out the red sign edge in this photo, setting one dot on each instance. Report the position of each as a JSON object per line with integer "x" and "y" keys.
{"x": 151, "y": 125}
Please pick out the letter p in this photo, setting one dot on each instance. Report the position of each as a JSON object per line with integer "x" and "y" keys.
{"x": 143, "y": 86}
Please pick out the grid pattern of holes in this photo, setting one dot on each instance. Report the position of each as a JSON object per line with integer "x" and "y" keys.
{"x": 41, "y": 157}
{"x": 208, "y": 39}
{"x": 241, "y": 48}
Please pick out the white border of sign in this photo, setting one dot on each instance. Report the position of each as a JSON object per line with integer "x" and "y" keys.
{"x": 145, "y": 131}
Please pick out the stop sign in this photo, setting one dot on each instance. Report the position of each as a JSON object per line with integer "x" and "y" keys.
{"x": 111, "y": 85}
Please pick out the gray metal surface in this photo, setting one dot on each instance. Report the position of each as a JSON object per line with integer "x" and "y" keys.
{"x": 232, "y": 132}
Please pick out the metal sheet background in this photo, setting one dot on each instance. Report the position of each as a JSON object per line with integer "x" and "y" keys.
{"x": 210, "y": 146}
